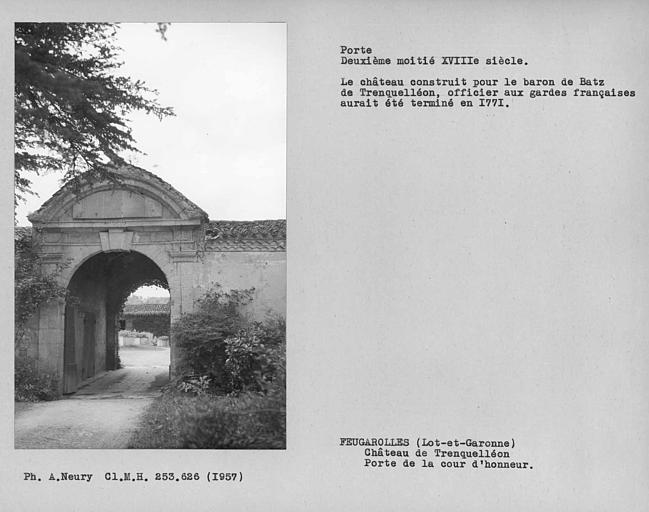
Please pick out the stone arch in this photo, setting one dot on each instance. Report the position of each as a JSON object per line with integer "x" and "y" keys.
{"x": 133, "y": 212}
{"x": 94, "y": 222}
{"x": 97, "y": 290}
{"x": 72, "y": 265}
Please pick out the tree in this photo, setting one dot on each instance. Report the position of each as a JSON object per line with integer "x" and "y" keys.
{"x": 70, "y": 103}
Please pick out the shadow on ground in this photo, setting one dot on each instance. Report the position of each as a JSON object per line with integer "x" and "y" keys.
{"x": 101, "y": 414}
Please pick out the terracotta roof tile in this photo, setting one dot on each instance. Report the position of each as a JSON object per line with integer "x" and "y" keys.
{"x": 256, "y": 235}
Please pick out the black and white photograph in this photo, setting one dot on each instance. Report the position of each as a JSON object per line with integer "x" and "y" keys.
{"x": 324, "y": 256}
{"x": 150, "y": 238}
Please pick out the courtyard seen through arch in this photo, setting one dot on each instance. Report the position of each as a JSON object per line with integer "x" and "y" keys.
{"x": 104, "y": 350}
{"x": 97, "y": 294}
{"x": 144, "y": 333}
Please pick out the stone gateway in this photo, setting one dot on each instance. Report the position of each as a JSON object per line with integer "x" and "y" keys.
{"x": 112, "y": 237}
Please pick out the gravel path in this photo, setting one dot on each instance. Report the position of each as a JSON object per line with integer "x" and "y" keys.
{"x": 102, "y": 414}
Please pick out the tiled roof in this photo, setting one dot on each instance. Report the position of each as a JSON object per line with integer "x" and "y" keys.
{"x": 255, "y": 235}
{"x": 146, "y": 309}
{"x": 236, "y": 235}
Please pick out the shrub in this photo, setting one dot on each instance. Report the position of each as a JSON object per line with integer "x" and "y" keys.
{"x": 200, "y": 336}
{"x": 222, "y": 352}
{"x": 31, "y": 290}
{"x": 195, "y": 385}
{"x": 253, "y": 357}
{"x": 273, "y": 330}
{"x": 32, "y": 385}
{"x": 31, "y": 287}
{"x": 248, "y": 420}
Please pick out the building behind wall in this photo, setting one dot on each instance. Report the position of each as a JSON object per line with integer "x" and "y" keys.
{"x": 153, "y": 318}
{"x": 115, "y": 236}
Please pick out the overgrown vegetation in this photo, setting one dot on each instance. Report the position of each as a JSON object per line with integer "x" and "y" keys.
{"x": 231, "y": 391}
{"x": 32, "y": 288}
{"x": 71, "y": 104}
{"x": 201, "y": 336}
{"x": 254, "y": 356}
{"x": 246, "y": 420}
{"x": 32, "y": 385}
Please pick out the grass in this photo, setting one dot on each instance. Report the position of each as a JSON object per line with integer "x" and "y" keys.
{"x": 243, "y": 421}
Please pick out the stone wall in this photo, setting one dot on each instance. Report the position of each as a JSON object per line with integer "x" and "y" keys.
{"x": 112, "y": 240}
{"x": 265, "y": 272}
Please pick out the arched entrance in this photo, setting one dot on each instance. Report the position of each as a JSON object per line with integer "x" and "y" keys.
{"x": 103, "y": 239}
{"x": 97, "y": 291}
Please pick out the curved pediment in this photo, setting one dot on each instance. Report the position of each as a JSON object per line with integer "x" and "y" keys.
{"x": 132, "y": 194}
{"x": 118, "y": 204}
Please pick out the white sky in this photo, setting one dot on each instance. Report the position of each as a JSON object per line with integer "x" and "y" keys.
{"x": 225, "y": 149}
{"x": 150, "y": 291}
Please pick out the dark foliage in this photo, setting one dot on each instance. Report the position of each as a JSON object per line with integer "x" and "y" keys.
{"x": 223, "y": 353}
{"x": 30, "y": 385}
{"x": 247, "y": 421}
{"x": 32, "y": 288}
{"x": 244, "y": 421}
{"x": 70, "y": 103}
{"x": 255, "y": 356}
{"x": 158, "y": 325}
{"x": 200, "y": 336}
